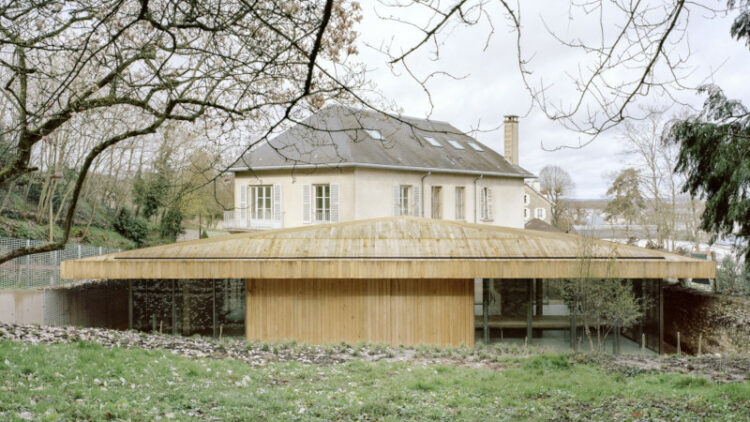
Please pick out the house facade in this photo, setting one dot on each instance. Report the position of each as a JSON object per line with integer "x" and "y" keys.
{"x": 343, "y": 164}
{"x": 535, "y": 204}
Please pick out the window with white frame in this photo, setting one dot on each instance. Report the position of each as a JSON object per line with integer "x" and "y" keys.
{"x": 403, "y": 199}
{"x": 526, "y": 199}
{"x": 460, "y": 203}
{"x": 540, "y": 213}
{"x": 485, "y": 204}
{"x": 261, "y": 202}
{"x": 526, "y": 213}
{"x": 322, "y": 203}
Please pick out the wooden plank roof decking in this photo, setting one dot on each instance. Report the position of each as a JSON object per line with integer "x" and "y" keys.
{"x": 391, "y": 247}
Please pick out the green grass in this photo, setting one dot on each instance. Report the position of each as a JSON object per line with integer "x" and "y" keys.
{"x": 86, "y": 381}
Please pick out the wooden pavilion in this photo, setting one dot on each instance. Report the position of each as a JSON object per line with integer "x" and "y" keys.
{"x": 396, "y": 280}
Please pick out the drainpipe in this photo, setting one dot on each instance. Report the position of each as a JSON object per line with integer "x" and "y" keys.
{"x": 423, "y": 193}
{"x": 475, "y": 196}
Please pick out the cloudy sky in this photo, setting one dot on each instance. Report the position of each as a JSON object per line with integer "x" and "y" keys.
{"x": 492, "y": 86}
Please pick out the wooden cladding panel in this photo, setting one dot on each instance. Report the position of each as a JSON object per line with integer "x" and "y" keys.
{"x": 396, "y": 312}
{"x": 367, "y": 269}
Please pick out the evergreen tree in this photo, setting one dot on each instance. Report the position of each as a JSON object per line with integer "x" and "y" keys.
{"x": 627, "y": 201}
{"x": 171, "y": 224}
{"x": 715, "y": 154}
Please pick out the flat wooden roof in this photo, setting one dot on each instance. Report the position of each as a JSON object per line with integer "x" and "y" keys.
{"x": 392, "y": 247}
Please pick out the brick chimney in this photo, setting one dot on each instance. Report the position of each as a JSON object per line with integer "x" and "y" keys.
{"x": 511, "y": 139}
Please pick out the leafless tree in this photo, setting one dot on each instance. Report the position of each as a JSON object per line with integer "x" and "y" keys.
{"x": 626, "y": 52}
{"x": 556, "y": 185}
{"x": 118, "y": 70}
{"x": 655, "y": 161}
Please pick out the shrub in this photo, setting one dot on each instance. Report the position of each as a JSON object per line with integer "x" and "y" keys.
{"x": 134, "y": 228}
{"x": 732, "y": 278}
{"x": 170, "y": 225}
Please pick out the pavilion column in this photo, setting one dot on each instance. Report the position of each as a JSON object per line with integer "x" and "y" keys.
{"x": 640, "y": 293}
{"x": 485, "y": 310}
{"x": 661, "y": 316}
{"x": 529, "y": 310}
{"x": 213, "y": 306}
{"x": 539, "y": 295}
{"x": 174, "y": 311}
{"x": 573, "y": 327}
{"x": 130, "y": 304}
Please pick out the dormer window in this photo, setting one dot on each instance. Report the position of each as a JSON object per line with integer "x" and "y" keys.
{"x": 476, "y": 146}
{"x": 455, "y": 144}
{"x": 433, "y": 141}
{"x": 375, "y": 134}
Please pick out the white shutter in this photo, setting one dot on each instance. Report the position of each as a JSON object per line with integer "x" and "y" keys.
{"x": 417, "y": 208}
{"x": 490, "y": 215}
{"x": 306, "y": 204}
{"x": 243, "y": 202}
{"x": 482, "y": 206}
{"x": 396, "y": 202}
{"x": 276, "y": 202}
{"x": 334, "y": 203}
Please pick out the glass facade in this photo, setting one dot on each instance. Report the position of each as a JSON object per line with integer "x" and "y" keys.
{"x": 544, "y": 313}
{"x": 187, "y": 307}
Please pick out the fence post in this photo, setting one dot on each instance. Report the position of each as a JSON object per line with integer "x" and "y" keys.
{"x": 100, "y": 250}
{"x": 28, "y": 265}
{"x": 79, "y": 251}
{"x": 57, "y": 267}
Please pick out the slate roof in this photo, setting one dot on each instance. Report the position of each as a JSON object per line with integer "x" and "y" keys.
{"x": 541, "y": 225}
{"x": 339, "y": 136}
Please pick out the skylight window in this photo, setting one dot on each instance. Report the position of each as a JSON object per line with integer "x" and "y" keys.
{"x": 476, "y": 146}
{"x": 433, "y": 141}
{"x": 375, "y": 134}
{"x": 455, "y": 144}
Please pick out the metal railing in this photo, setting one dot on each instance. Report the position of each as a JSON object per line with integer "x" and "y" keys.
{"x": 241, "y": 220}
{"x": 42, "y": 269}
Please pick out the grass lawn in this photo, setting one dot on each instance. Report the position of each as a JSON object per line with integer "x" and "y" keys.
{"x": 86, "y": 381}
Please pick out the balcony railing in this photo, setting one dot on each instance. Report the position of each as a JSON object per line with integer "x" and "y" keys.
{"x": 240, "y": 220}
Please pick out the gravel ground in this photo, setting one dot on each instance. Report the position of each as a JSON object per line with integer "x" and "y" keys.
{"x": 714, "y": 367}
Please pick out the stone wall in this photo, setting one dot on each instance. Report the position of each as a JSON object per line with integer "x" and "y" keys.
{"x": 722, "y": 322}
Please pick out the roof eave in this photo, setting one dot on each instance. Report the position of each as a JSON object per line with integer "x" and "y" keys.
{"x": 518, "y": 175}
{"x": 396, "y": 268}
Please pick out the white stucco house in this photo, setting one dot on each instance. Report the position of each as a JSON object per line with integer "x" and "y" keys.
{"x": 344, "y": 164}
{"x": 535, "y": 204}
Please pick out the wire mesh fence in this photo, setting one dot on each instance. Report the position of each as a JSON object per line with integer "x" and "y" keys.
{"x": 43, "y": 269}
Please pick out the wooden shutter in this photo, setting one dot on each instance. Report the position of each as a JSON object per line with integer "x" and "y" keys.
{"x": 417, "y": 208}
{"x": 276, "y": 202}
{"x": 334, "y": 203}
{"x": 396, "y": 202}
{"x": 306, "y": 204}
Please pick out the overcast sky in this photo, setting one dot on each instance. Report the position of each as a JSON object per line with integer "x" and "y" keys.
{"x": 492, "y": 87}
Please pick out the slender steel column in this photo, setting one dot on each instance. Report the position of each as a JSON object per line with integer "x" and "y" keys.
{"x": 529, "y": 310}
{"x": 573, "y": 333}
{"x": 130, "y": 304}
{"x": 661, "y": 316}
{"x": 174, "y": 311}
{"x": 485, "y": 310}
{"x": 214, "y": 306}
